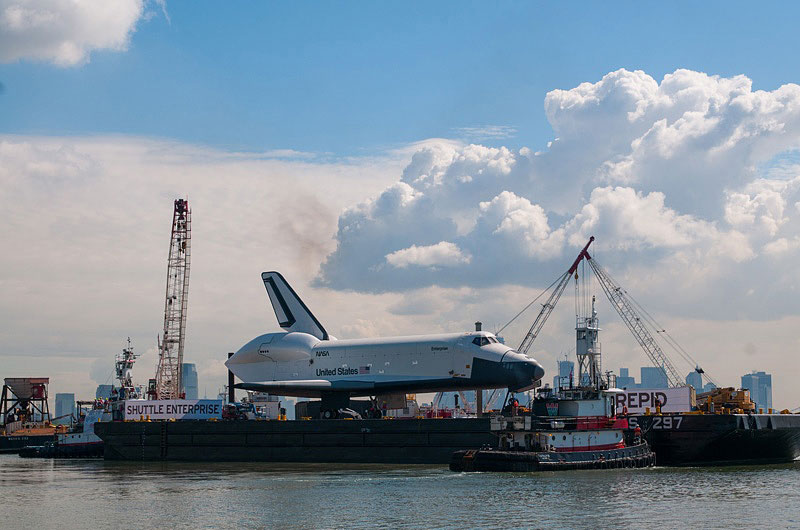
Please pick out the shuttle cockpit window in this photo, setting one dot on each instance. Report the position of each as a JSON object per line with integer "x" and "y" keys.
{"x": 483, "y": 341}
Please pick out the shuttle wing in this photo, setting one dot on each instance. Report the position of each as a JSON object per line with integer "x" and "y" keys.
{"x": 307, "y": 388}
{"x": 292, "y": 313}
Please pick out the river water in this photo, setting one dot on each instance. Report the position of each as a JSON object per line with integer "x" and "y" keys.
{"x": 96, "y": 494}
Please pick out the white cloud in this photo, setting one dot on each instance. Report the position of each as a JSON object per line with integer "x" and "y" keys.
{"x": 688, "y": 181}
{"x": 65, "y": 32}
{"x": 781, "y": 246}
{"x": 442, "y": 254}
{"x": 762, "y": 204}
{"x": 627, "y": 218}
{"x": 689, "y": 136}
{"x": 519, "y": 222}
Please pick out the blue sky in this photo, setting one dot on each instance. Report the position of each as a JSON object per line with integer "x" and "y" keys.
{"x": 355, "y": 77}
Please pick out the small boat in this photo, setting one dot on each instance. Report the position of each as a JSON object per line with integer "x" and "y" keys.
{"x": 79, "y": 441}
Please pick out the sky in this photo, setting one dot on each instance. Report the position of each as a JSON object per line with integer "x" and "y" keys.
{"x": 410, "y": 168}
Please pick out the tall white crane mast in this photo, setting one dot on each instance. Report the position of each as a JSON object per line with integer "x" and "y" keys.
{"x": 170, "y": 344}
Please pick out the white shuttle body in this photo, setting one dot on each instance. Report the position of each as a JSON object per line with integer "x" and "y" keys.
{"x": 305, "y": 361}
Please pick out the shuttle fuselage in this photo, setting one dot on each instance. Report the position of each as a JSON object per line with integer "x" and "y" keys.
{"x": 305, "y": 361}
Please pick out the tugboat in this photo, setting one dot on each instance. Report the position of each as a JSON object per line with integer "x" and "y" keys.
{"x": 574, "y": 427}
{"x": 594, "y": 439}
{"x": 80, "y": 441}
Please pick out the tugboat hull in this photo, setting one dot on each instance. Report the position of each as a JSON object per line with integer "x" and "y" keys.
{"x": 525, "y": 461}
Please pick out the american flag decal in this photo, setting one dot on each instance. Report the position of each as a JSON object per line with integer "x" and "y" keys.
{"x": 363, "y": 370}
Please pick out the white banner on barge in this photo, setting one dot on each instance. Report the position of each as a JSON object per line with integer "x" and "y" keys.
{"x": 637, "y": 400}
{"x": 179, "y": 409}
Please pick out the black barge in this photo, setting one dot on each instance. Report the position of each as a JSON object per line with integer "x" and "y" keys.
{"x": 407, "y": 441}
{"x": 677, "y": 439}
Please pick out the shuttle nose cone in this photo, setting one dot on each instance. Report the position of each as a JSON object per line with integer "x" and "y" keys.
{"x": 530, "y": 372}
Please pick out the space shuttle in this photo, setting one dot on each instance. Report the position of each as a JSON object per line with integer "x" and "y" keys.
{"x": 304, "y": 360}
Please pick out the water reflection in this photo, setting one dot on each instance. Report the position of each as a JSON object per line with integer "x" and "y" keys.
{"x": 226, "y": 495}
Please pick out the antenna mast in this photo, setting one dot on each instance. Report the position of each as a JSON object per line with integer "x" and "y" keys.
{"x": 170, "y": 345}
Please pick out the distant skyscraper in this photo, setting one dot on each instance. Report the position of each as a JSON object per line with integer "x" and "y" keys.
{"x": 189, "y": 378}
{"x": 760, "y": 386}
{"x": 709, "y": 387}
{"x": 624, "y": 380}
{"x": 65, "y": 406}
{"x": 654, "y": 377}
{"x": 103, "y": 391}
{"x": 566, "y": 369}
{"x": 695, "y": 380}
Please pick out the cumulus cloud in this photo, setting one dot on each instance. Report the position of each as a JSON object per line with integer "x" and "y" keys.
{"x": 517, "y": 222}
{"x": 65, "y": 32}
{"x": 442, "y": 254}
{"x": 691, "y": 179}
{"x": 629, "y": 218}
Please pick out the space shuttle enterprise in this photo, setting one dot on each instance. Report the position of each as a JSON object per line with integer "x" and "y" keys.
{"x": 304, "y": 361}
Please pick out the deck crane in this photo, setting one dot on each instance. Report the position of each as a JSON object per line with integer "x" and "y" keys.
{"x": 168, "y": 384}
{"x": 622, "y": 303}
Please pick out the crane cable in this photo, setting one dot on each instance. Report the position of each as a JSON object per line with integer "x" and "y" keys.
{"x": 659, "y": 329}
{"x": 557, "y": 280}
{"x": 669, "y": 339}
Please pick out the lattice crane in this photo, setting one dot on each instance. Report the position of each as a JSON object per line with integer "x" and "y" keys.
{"x": 622, "y": 303}
{"x": 168, "y": 384}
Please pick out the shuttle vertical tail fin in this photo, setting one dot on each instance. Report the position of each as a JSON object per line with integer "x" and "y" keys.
{"x": 292, "y": 313}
